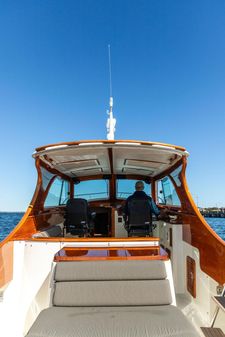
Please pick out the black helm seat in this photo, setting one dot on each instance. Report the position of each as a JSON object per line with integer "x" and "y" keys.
{"x": 139, "y": 217}
{"x": 78, "y": 220}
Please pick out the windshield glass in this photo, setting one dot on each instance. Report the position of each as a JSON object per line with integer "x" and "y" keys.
{"x": 92, "y": 189}
{"x": 126, "y": 187}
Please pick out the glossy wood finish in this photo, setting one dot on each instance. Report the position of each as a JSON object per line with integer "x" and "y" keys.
{"x": 153, "y": 240}
{"x": 199, "y": 234}
{"x": 40, "y": 222}
{"x": 104, "y": 141}
{"x": 6, "y": 263}
{"x": 119, "y": 253}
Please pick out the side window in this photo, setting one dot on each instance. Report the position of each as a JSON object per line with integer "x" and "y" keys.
{"x": 58, "y": 193}
{"x": 65, "y": 192}
{"x": 166, "y": 193}
{"x": 176, "y": 175}
{"x": 126, "y": 187}
{"x": 46, "y": 177}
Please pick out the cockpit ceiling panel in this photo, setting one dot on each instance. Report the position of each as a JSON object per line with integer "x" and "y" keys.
{"x": 146, "y": 161}
{"x": 123, "y": 159}
{"x": 77, "y": 165}
{"x": 86, "y": 172}
{"x": 80, "y": 161}
{"x": 138, "y": 170}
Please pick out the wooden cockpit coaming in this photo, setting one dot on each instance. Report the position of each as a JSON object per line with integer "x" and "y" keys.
{"x": 196, "y": 231}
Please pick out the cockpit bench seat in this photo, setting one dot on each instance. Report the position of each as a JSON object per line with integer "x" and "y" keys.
{"x": 112, "y": 299}
{"x": 137, "y": 321}
{"x": 52, "y": 231}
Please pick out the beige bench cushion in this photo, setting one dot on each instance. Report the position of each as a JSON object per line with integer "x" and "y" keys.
{"x": 110, "y": 270}
{"x": 163, "y": 321}
{"x": 112, "y": 293}
{"x": 53, "y": 231}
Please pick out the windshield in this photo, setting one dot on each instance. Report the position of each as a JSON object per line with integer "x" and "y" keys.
{"x": 126, "y": 187}
{"x": 92, "y": 189}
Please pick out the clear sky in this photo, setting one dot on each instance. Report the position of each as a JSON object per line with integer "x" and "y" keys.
{"x": 168, "y": 71}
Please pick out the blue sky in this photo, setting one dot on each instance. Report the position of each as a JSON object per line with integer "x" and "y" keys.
{"x": 168, "y": 70}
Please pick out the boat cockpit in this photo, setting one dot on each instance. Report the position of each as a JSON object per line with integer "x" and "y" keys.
{"x": 103, "y": 173}
{"x": 64, "y": 274}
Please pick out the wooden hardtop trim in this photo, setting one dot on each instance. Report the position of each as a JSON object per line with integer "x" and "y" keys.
{"x": 99, "y": 142}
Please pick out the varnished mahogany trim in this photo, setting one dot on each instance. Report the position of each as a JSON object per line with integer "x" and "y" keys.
{"x": 101, "y": 253}
{"x": 6, "y": 264}
{"x": 199, "y": 234}
{"x": 102, "y": 239}
{"x": 119, "y": 258}
{"x": 6, "y": 247}
{"x": 169, "y": 170}
{"x": 42, "y": 148}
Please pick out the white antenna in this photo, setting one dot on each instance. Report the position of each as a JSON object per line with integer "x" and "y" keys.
{"x": 111, "y": 122}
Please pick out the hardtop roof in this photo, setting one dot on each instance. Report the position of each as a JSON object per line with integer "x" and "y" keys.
{"x": 121, "y": 157}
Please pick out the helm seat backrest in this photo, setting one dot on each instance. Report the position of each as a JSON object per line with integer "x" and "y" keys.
{"x": 77, "y": 215}
{"x": 139, "y": 212}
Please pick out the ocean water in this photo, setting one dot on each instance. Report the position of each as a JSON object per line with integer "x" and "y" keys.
{"x": 218, "y": 225}
{"x": 9, "y": 220}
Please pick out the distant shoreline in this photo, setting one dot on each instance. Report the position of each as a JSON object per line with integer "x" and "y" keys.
{"x": 12, "y": 211}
